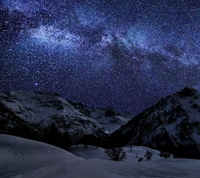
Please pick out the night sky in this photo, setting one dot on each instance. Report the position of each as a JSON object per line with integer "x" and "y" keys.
{"x": 104, "y": 53}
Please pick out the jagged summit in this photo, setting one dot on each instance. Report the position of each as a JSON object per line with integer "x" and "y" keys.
{"x": 42, "y": 109}
{"x": 187, "y": 91}
{"x": 172, "y": 124}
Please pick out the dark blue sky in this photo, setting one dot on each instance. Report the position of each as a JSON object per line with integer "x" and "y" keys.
{"x": 121, "y": 54}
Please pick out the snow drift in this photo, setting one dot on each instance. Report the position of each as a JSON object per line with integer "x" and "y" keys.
{"x": 22, "y": 158}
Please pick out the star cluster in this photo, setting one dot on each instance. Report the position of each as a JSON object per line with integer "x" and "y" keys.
{"x": 120, "y": 54}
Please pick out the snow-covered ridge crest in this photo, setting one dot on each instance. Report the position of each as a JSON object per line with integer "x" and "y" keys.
{"x": 172, "y": 124}
{"x": 43, "y": 109}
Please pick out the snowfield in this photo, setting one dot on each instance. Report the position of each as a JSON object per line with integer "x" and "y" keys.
{"x": 22, "y": 158}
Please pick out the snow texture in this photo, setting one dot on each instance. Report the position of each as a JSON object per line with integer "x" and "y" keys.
{"x": 174, "y": 120}
{"x": 46, "y": 108}
{"x": 22, "y": 158}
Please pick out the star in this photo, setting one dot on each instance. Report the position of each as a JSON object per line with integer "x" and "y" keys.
{"x": 121, "y": 54}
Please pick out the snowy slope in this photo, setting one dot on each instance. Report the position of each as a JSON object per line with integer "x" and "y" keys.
{"x": 21, "y": 158}
{"x": 110, "y": 119}
{"x": 43, "y": 109}
{"x": 130, "y": 167}
{"x": 40, "y": 107}
{"x": 173, "y": 124}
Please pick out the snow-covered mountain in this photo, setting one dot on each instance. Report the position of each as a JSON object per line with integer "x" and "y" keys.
{"x": 37, "y": 111}
{"x": 110, "y": 119}
{"x": 173, "y": 125}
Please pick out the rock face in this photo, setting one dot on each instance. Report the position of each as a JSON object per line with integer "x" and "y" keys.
{"x": 110, "y": 119}
{"x": 173, "y": 125}
{"x": 37, "y": 115}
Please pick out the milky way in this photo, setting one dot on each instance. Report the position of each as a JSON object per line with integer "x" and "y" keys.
{"x": 120, "y": 54}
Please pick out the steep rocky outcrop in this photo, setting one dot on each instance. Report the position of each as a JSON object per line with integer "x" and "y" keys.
{"x": 173, "y": 125}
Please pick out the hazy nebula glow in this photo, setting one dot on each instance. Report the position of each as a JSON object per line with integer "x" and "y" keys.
{"x": 120, "y": 54}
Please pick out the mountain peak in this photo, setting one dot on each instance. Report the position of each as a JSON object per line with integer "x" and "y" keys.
{"x": 45, "y": 108}
{"x": 187, "y": 91}
{"x": 172, "y": 125}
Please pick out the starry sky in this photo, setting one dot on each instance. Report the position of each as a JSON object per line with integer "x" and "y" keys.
{"x": 103, "y": 53}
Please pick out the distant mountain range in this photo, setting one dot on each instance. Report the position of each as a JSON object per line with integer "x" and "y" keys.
{"x": 34, "y": 114}
{"x": 171, "y": 125}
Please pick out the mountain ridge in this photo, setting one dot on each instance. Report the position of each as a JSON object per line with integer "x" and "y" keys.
{"x": 172, "y": 124}
{"x": 43, "y": 111}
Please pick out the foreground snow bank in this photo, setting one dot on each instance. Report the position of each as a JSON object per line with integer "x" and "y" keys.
{"x": 130, "y": 167}
{"x": 22, "y": 158}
